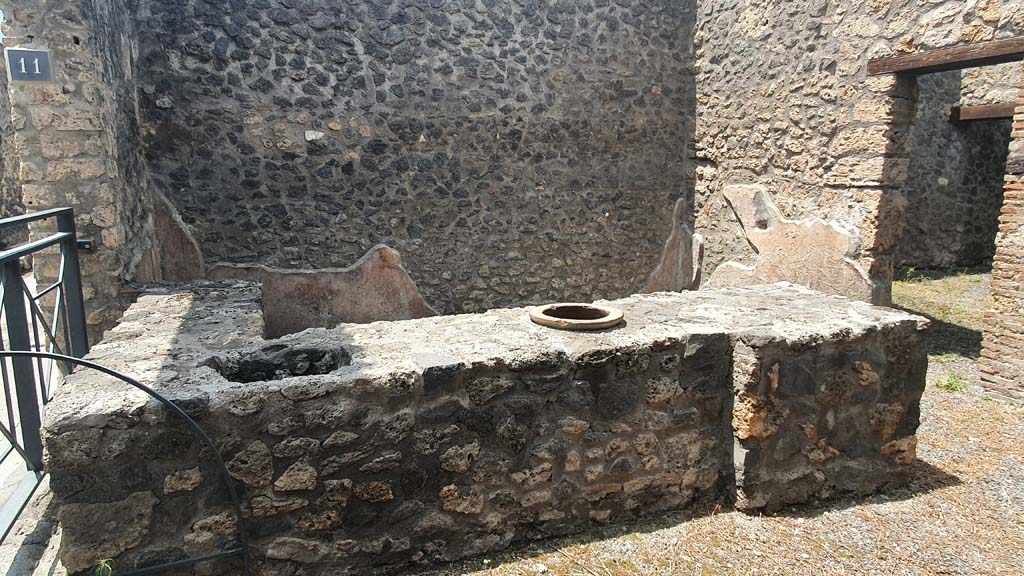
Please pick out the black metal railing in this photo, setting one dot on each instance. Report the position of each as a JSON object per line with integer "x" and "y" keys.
{"x": 49, "y": 320}
{"x": 43, "y": 338}
{"x": 237, "y": 549}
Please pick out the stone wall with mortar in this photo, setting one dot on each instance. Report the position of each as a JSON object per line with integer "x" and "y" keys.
{"x": 393, "y": 444}
{"x": 79, "y": 145}
{"x": 1001, "y": 363}
{"x": 784, "y": 101}
{"x": 512, "y": 152}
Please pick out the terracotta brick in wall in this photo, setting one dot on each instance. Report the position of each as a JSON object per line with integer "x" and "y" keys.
{"x": 1002, "y": 356}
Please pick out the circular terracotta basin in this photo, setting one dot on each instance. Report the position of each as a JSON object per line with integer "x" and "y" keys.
{"x": 569, "y": 316}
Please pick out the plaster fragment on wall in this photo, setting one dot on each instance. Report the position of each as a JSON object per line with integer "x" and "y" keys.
{"x": 682, "y": 257}
{"x": 375, "y": 288}
{"x": 812, "y": 252}
{"x": 179, "y": 255}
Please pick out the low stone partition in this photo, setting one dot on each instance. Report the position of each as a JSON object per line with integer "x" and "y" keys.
{"x": 370, "y": 448}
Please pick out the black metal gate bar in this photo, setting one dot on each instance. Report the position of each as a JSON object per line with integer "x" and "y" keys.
{"x": 242, "y": 549}
{"x": 28, "y": 390}
{"x": 24, "y": 374}
{"x": 26, "y": 327}
{"x": 71, "y": 282}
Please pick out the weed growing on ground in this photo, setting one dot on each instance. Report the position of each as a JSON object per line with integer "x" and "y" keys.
{"x": 912, "y": 275}
{"x": 104, "y": 568}
{"x": 953, "y": 382}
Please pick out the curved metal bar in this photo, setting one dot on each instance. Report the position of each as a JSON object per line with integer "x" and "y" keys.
{"x": 243, "y": 549}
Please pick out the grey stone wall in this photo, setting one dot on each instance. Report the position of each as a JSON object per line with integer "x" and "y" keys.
{"x": 511, "y": 151}
{"x": 116, "y": 45}
{"x": 955, "y": 187}
{"x": 784, "y": 101}
{"x": 956, "y": 170}
{"x": 372, "y": 447}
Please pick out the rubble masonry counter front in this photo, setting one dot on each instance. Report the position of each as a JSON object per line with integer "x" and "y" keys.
{"x": 397, "y": 443}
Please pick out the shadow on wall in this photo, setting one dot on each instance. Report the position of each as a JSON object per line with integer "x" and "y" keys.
{"x": 988, "y": 149}
{"x": 179, "y": 256}
{"x": 682, "y": 258}
{"x": 882, "y": 229}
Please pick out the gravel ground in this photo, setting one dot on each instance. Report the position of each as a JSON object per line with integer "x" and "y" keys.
{"x": 962, "y": 514}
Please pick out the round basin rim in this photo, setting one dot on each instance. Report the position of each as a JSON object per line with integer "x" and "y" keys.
{"x": 612, "y": 317}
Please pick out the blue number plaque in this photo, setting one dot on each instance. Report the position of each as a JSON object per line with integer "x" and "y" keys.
{"x": 24, "y": 65}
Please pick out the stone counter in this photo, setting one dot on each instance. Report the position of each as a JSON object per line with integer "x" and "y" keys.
{"x": 384, "y": 445}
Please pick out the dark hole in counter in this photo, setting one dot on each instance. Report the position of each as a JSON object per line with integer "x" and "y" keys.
{"x": 576, "y": 312}
{"x": 279, "y": 361}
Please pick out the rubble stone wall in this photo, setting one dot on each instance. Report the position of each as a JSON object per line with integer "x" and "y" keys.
{"x": 378, "y": 446}
{"x": 784, "y": 101}
{"x": 512, "y": 152}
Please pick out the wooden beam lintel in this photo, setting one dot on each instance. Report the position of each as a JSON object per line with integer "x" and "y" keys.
{"x": 956, "y": 58}
{"x": 986, "y": 112}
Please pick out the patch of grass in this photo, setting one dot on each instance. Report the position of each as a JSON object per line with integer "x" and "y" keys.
{"x": 954, "y": 302}
{"x": 104, "y": 568}
{"x": 953, "y": 382}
